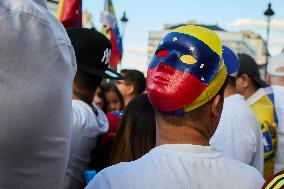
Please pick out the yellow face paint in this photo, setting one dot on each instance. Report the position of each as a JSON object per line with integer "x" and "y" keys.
{"x": 211, "y": 90}
{"x": 188, "y": 59}
{"x": 207, "y": 36}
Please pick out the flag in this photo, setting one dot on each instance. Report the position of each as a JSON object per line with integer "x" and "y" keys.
{"x": 111, "y": 30}
{"x": 69, "y": 12}
{"x": 262, "y": 105}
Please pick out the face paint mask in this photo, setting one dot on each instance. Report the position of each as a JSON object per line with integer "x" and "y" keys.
{"x": 180, "y": 71}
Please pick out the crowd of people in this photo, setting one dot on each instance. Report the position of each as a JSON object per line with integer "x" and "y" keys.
{"x": 201, "y": 118}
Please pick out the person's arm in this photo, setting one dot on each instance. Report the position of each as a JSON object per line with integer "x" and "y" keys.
{"x": 82, "y": 114}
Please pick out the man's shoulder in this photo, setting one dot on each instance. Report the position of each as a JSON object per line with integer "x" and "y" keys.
{"x": 239, "y": 111}
{"x": 82, "y": 111}
{"x": 84, "y": 115}
{"x": 241, "y": 168}
{"x": 36, "y": 15}
{"x": 79, "y": 104}
{"x": 245, "y": 173}
{"x": 143, "y": 164}
{"x": 144, "y": 173}
{"x": 25, "y": 8}
{"x": 135, "y": 169}
{"x": 122, "y": 175}
{"x": 234, "y": 102}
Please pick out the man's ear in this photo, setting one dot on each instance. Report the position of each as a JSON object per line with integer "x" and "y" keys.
{"x": 245, "y": 80}
{"x": 130, "y": 89}
{"x": 217, "y": 106}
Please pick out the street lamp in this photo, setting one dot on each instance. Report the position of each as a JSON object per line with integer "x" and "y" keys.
{"x": 268, "y": 13}
{"x": 124, "y": 21}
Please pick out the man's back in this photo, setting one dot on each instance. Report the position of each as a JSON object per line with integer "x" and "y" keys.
{"x": 85, "y": 129}
{"x": 179, "y": 166}
{"x": 37, "y": 67}
{"x": 239, "y": 135}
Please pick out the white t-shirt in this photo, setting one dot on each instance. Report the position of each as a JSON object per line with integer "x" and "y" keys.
{"x": 279, "y": 106}
{"x": 179, "y": 166}
{"x": 239, "y": 135}
{"x": 86, "y": 128}
{"x": 37, "y": 68}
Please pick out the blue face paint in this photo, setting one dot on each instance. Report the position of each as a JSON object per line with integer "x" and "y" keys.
{"x": 175, "y": 45}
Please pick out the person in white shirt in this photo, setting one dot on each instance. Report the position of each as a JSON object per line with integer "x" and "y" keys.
{"x": 275, "y": 78}
{"x": 238, "y": 135}
{"x": 93, "y": 52}
{"x": 260, "y": 99}
{"x": 37, "y": 67}
{"x": 185, "y": 83}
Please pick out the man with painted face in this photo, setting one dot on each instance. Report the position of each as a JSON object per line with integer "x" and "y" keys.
{"x": 185, "y": 84}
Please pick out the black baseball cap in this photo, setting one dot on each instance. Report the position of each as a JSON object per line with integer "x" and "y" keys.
{"x": 248, "y": 66}
{"x": 93, "y": 52}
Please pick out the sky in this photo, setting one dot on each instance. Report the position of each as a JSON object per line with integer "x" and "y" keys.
{"x": 151, "y": 15}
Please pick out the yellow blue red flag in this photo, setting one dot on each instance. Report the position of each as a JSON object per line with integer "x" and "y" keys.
{"x": 111, "y": 30}
{"x": 69, "y": 13}
{"x": 262, "y": 104}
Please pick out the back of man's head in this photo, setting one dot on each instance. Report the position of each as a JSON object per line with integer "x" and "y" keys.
{"x": 248, "y": 79}
{"x": 135, "y": 78}
{"x": 275, "y": 70}
{"x": 249, "y": 67}
{"x": 93, "y": 52}
{"x": 87, "y": 81}
{"x": 185, "y": 77}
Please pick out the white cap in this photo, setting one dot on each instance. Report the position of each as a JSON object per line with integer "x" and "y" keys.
{"x": 276, "y": 65}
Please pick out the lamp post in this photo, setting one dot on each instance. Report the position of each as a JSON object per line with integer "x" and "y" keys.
{"x": 123, "y": 24}
{"x": 124, "y": 21}
{"x": 268, "y": 13}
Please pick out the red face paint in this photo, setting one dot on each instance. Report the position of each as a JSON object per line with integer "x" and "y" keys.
{"x": 170, "y": 89}
{"x": 174, "y": 82}
{"x": 162, "y": 53}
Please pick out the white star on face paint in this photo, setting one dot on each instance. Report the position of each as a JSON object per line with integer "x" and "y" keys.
{"x": 202, "y": 79}
{"x": 161, "y": 42}
{"x": 202, "y": 66}
{"x": 175, "y": 38}
{"x": 191, "y": 48}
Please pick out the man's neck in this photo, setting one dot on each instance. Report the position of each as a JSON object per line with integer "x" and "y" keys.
{"x": 249, "y": 91}
{"x": 127, "y": 100}
{"x": 166, "y": 134}
{"x": 229, "y": 91}
{"x": 86, "y": 96}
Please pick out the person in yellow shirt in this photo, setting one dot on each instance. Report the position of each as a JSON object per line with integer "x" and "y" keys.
{"x": 260, "y": 98}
